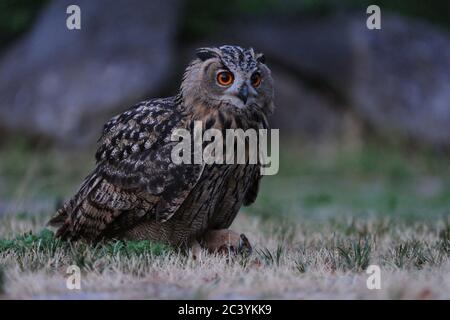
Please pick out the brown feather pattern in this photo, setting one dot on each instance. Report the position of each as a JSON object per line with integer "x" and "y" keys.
{"x": 137, "y": 192}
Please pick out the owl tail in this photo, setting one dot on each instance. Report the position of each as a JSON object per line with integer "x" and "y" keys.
{"x": 62, "y": 218}
{"x": 58, "y": 219}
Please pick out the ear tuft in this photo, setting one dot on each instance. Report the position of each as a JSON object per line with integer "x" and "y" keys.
{"x": 260, "y": 57}
{"x": 205, "y": 53}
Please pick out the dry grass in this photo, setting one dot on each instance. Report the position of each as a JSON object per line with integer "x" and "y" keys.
{"x": 325, "y": 260}
{"x": 315, "y": 228}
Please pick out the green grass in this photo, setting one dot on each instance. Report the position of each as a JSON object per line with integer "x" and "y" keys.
{"x": 310, "y": 256}
{"x": 271, "y": 258}
{"x": 29, "y": 244}
{"x": 315, "y": 228}
{"x": 371, "y": 181}
{"x": 356, "y": 255}
{"x": 416, "y": 254}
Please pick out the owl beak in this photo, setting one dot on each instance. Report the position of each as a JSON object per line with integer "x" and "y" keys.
{"x": 243, "y": 93}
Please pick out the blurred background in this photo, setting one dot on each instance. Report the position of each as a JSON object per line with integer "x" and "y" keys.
{"x": 364, "y": 115}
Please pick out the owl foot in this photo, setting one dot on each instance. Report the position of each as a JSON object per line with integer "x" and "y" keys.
{"x": 196, "y": 250}
{"x": 226, "y": 242}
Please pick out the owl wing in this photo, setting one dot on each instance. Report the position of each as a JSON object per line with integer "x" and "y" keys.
{"x": 252, "y": 192}
{"x": 255, "y": 180}
{"x": 134, "y": 176}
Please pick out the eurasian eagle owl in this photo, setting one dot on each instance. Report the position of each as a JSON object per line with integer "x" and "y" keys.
{"x": 137, "y": 192}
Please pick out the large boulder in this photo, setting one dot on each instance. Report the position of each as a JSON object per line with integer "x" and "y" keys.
{"x": 303, "y": 112}
{"x": 396, "y": 80}
{"x": 60, "y": 83}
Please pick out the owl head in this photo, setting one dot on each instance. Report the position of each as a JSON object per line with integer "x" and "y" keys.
{"x": 229, "y": 77}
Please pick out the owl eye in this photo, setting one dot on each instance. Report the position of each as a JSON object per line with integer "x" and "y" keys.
{"x": 225, "y": 78}
{"x": 256, "y": 79}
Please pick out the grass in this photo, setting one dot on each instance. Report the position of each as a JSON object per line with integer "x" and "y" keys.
{"x": 356, "y": 255}
{"x": 318, "y": 261}
{"x": 44, "y": 244}
{"x": 315, "y": 229}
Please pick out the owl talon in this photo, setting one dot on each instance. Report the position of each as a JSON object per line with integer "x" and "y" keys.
{"x": 245, "y": 248}
{"x": 226, "y": 242}
{"x": 196, "y": 251}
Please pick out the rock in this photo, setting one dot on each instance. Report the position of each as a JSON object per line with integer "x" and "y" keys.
{"x": 401, "y": 80}
{"x": 396, "y": 80}
{"x": 303, "y": 112}
{"x": 63, "y": 84}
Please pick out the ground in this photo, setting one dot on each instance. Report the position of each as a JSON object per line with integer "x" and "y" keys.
{"x": 316, "y": 227}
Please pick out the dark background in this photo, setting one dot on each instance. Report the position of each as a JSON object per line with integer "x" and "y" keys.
{"x": 364, "y": 115}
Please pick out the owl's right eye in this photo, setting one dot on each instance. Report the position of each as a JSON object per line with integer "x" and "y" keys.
{"x": 225, "y": 78}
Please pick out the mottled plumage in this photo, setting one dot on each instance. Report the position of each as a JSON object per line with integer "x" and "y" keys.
{"x": 137, "y": 192}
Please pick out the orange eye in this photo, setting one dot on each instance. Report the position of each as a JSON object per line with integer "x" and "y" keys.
{"x": 225, "y": 78}
{"x": 256, "y": 79}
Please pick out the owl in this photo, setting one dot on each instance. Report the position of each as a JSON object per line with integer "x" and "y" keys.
{"x": 137, "y": 192}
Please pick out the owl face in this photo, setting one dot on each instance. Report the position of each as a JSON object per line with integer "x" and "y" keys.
{"x": 230, "y": 77}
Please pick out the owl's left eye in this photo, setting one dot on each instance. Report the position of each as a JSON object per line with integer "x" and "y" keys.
{"x": 256, "y": 79}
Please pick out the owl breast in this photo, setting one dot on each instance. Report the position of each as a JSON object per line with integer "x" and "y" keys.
{"x": 217, "y": 199}
{"x": 213, "y": 204}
